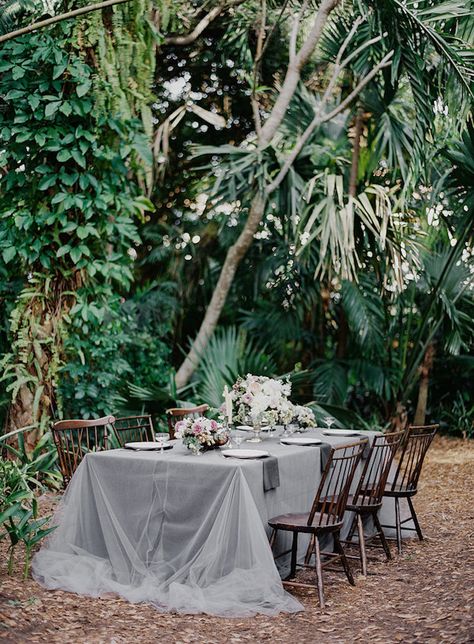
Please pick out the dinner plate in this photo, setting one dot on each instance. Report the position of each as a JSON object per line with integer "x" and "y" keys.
{"x": 245, "y": 453}
{"x": 300, "y": 441}
{"x": 147, "y": 445}
{"x": 341, "y": 432}
{"x": 249, "y": 428}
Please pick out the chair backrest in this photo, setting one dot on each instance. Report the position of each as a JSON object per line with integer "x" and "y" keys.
{"x": 376, "y": 469}
{"x": 415, "y": 444}
{"x": 75, "y": 438}
{"x": 331, "y": 498}
{"x": 178, "y": 413}
{"x": 131, "y": 429}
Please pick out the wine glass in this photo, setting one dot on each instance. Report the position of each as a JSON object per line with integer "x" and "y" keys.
{"x": 238, "y": 438}
{"x": 329, "y": 420}
{"x": 162, "y": 438}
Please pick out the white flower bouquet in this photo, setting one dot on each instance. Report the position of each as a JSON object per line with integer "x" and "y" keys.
{"x": 259, "y": 398}
{"x": 201, "y": 434}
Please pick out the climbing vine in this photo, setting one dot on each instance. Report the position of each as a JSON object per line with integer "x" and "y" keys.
{"x": 68, "y": 204}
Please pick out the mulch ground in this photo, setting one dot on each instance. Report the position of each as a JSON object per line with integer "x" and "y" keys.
{"x": 425, "y": 595}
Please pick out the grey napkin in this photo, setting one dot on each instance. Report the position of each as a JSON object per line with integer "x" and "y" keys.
{"x": 271, "y": 473}
{"x": 325, "y": 452}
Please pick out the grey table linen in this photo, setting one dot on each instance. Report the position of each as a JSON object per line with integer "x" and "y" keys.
{"x": 184, "y": 533}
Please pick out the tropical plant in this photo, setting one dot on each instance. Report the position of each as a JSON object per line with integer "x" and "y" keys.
{"x": 19, "y": 510}
{"x": 255, "y": 172}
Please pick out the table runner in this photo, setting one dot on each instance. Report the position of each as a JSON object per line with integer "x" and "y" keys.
{"x": 181, "y": 532}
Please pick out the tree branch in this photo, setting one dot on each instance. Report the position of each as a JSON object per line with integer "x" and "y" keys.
{"x": 64, "y": 16}
{"x": 293, "y": 72}
{"x": 201, "y": 25}
{"x": 319, "y": 119}
{"x": 256, "y": 65}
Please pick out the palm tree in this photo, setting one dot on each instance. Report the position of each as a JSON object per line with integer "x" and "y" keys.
{"x": 419, "y": 33}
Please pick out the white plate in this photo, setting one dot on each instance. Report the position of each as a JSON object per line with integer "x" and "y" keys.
{"x": 340, "y": 432}
{"x": 301, "y": 441}
{"x": 249, "y": 428}
{"x": 245, "y": 453}
{"x": 147, "y": 445}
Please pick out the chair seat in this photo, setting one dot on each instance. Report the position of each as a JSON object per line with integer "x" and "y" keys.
{"x": 299, "y": 523}
{"x": 362, "y": 504}
{"x": 399, "y": 490}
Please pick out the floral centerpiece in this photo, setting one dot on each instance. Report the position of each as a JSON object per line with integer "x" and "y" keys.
{"x": 201, "y": 434}
{"x": 304, "y": 416}
{"x": 261, "y": 399}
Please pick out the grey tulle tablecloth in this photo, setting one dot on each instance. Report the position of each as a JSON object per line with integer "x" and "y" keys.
{"x": 184, "y": 533}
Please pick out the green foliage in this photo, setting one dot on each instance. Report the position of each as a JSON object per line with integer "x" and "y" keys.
{"x": 64, "y": 171}
{"x": 102, "y": 356}
{"x": 19, "y": 510}
{"x": 230, "y": 353}
{"x": 67, "y": 208}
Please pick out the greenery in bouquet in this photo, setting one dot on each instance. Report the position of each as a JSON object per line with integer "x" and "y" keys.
{"x": 199, "y": 434}
{"x": 261, "y": 398}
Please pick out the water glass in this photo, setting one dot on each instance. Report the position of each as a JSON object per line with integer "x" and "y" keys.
{"x": 161, "y": 439}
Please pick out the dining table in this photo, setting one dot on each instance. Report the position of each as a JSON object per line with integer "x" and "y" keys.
{"x": 186, "y": 533}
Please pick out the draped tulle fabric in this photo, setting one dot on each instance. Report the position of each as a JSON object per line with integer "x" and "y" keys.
{"x": 151, "y": 531}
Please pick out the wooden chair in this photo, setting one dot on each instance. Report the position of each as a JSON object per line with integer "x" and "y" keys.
{"x": 133, "y": 429}
{"x": 325, "y": 517}
{"x": 367, "y": 499}
{"x": 178, "y": 413}
{"x": 404, "y": 485}
{"x": 75, "y": 438}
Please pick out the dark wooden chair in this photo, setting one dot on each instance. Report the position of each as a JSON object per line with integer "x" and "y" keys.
{"x": 75, "y": 438}
{"x": 325, "y": 517}
{"x": 368, "y": 496}
{"x": 178, "y": 413}
{"x": 404, "y": 483}
{"x": 133, "y": 429}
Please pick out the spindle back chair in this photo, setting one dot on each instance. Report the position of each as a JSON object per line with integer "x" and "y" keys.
{"x": 134, "y": 429}
{"x": 75, "y": 438}
{"x": 176, "y": 414}
{"x": 404, "y": 484}
{"x": 368, "y": 496}
{"x": 325, "y": 516}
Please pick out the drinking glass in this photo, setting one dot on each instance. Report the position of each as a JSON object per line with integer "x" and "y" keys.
{"x": 238, "y": 438}
{"x": 257, "y": 428}
{"x": 289, "y": 429}
{"x": 162, "y": 438}
{"x": 329, "y": 420}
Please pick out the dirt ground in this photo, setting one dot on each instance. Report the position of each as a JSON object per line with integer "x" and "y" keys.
{"x": 425, "y": 595}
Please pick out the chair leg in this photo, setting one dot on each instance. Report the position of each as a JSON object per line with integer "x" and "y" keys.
{"x": 294, "y": 552}
{"x": 382, "y": 537}
{"x": 344, "y": 560}
{"x": 310, "y": 550}
{"x": 319, "y": 571}
{"x": 273, "y": 537}
{"x": 363, "y": 554}
{"x": 415, "y": 519}
{"x": 351, "y": 532}
{"x": 398, "y": 525}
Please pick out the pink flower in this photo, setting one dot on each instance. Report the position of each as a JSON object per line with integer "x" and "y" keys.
{"x": 214, "y": 425}
{"x": 197, "y": 428}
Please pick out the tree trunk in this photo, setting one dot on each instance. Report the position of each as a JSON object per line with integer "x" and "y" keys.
{"x": 234, "y": 255}
{"x": 358, "y": 125}
{"x": 425, "y": 369}
{"x": 237, "y": 251}
{"x": 399, "y": 419}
